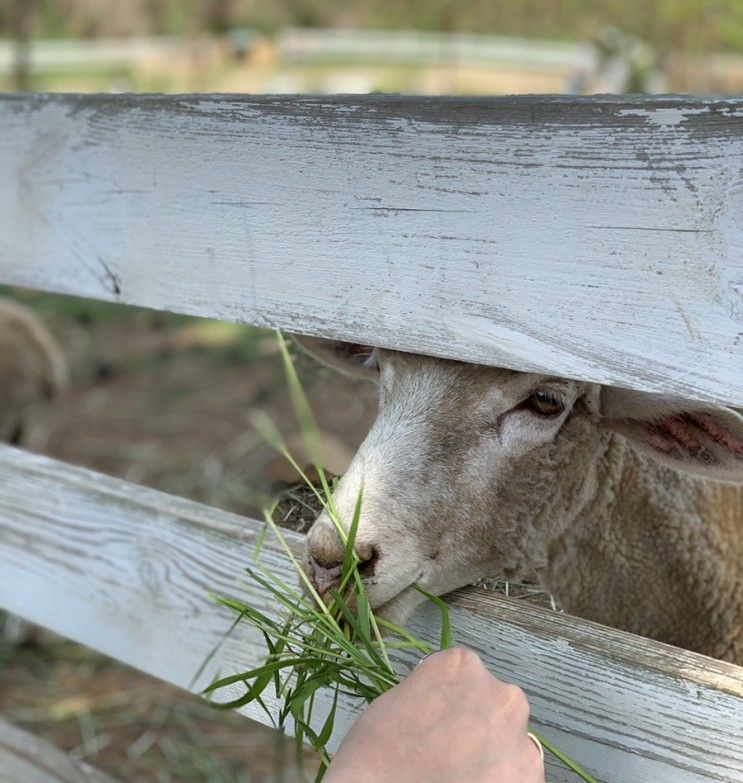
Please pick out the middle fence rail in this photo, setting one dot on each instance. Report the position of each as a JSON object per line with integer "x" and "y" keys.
{"x": 131, "y": 572}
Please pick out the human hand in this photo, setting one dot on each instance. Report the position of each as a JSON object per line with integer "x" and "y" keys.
{"x": 448, "y": 722}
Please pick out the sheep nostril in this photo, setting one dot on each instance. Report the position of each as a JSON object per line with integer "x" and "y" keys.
{"x": 368, "y": 561}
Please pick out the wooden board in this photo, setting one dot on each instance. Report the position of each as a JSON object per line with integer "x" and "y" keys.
{"x": 25, "y": 758}
{"x": 129, "y": 571}
{"x": 599, "y": 238}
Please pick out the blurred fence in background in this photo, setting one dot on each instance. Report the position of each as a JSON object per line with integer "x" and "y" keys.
{"x": 301, "y": 60}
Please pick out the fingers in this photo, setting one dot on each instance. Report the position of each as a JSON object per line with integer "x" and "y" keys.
{"x": 458, "y": 720}
{"x": 458, "y": 664}
{"x": 513, "y": 701}
{"x": 455, "y": 662}
{"x": 460, "y": 686}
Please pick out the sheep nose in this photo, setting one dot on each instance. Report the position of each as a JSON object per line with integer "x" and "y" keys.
{"x": 324, "y": 579}
{"x": 325, "y": 559}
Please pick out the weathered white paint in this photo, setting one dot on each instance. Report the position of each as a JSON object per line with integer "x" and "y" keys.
{"x": 128, "y": 570}
{"x": 594, "y": 238}
{"x": 28, "y": 759}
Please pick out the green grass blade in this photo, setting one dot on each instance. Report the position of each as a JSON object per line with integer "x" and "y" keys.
{"x": 312, "y": 684}
{"x": 245, "y": 610}
{"x": 353, "y": 622}
{"x": 310, "y": 587}
{"x": 269, "y": 432}
{"x": 327, "y": 728}
{"x": 378, "y": 637}
{"x": 217, "y": 647}
{"x": 349, "y": 556}
{"x": 308, "y": 426}
{"x": 253, "y": 673}
{"x": 568, "y": 762}
{"x": 410, "y": 640}
{"x": 445, "y": 641}
{"x": 260, "y": 538}
{"x": 363, "y": 615}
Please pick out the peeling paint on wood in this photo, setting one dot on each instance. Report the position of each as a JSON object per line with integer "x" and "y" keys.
{"x": 595, "y": 238}
{"x": 129, "y": 570}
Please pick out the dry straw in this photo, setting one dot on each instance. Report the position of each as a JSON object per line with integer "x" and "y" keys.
{"x": 341, "y": 647}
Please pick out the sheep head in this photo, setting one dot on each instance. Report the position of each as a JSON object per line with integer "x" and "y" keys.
{"x": 473, "y": 471}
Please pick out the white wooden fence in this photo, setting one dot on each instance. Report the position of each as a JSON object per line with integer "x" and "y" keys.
{"x": 595, "y": 238}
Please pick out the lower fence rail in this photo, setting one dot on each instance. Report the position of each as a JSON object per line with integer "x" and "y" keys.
{"x": 131, "y": 572}
{"x": 25, "y": 758}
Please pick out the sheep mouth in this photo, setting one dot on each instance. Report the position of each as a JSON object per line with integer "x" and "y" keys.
{"x": 399, "y": 608}
{"x": 395, "y": 609}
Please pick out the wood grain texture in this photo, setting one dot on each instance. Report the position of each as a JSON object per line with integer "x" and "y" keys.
{"x": 25, "y": 758}
{"x": 128, "y": 570}
{"x": 596, "y": 238}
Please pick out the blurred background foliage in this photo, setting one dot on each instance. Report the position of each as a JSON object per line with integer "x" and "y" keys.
{"x": 482, "y": 47}
{"x": 684, "y": 24}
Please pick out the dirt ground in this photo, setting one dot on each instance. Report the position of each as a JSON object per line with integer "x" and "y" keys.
{"x": 165, "y": 401}
{"x": 130, "y": 725}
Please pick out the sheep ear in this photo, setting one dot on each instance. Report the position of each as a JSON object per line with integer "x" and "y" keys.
{"x": 348, "y": 358}
{"x": 700, "y": 439}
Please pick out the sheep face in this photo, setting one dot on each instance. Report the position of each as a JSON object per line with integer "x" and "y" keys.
{"x": 439, "y": 472}
{"x": 473, "y": 471}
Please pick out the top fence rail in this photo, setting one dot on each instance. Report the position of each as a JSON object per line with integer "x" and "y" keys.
{"x": 597, "y": 238}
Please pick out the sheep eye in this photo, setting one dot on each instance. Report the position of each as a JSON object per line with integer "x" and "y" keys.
{"x": 545, "y": 403}
{"x": 360, "y": 355}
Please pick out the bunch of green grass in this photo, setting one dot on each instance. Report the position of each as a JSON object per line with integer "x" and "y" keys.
{"x": 341, "y": 646}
